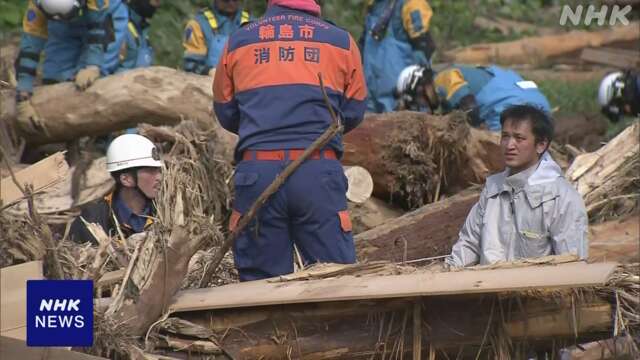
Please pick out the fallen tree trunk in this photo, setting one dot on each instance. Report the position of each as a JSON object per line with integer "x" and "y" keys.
{"x": 424, "y": 233}
{"x": 444, "y": 325}
{"x": 540, "y": 48}
{"x": 155, "y": 95}
{"x": 415, "y": 158}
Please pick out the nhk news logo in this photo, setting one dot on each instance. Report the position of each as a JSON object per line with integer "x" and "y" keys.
{"x": 60, "y": 313}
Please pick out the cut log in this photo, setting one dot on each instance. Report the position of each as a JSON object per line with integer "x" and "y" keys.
{"x": 540, "y": 48}
{"x": 154, "y": 95}
{"x": 415, "y": 158}
{"x": 424, "y": 233}
{"x": 360, "y": 184}
{"x": 358, "y": 330}
{"x": 619, "y": 58}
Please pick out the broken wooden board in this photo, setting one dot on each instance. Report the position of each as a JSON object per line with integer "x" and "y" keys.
{"x": 40, "y": 175}
{"x": 597, "y": 175}
{"x": 58, "y": 198}
{"x": 17, "y": 349}
{"x": 263, "y": 293}
{"x": 13, "y": 298}
{"x": 619, "y": 58}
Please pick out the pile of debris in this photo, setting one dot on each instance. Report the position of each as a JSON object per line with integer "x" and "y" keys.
{"x": 399, "y": 300}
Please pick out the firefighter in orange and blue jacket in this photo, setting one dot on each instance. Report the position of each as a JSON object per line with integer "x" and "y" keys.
{"x": 266, "y": 90}
{"x": 206, "y": 34}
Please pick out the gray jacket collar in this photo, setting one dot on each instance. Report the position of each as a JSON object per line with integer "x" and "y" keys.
{"x": 537, "y": 183}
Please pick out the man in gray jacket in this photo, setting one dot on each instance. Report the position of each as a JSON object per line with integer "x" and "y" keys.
{"x": 529, "y": 210}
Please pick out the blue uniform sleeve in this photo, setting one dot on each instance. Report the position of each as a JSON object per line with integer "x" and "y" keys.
{"x": 32, "y": 42}
{"x": 120, "y": 20}
{"x": 27, "y": 63}
{"x": 128, "y": 54}
{"x": 96, "y": 18}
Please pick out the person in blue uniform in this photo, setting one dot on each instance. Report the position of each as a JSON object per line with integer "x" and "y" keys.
{"x": 483, "y": 92}
{"x": 206, "y": 34}
{"x": 131, "y": 48}
{"x": 396, "y": 35}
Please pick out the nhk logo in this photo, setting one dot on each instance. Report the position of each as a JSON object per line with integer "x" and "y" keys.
{"x": 575, "y": 15}
{"x": 60, "y": 313}
{"x": 62, "y": 321}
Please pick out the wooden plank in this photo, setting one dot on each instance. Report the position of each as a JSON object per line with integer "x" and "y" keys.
{"x": 40, "y": 175}
{"x": 17, "y": 349}
{"x": 614, "y": 57}
{"x": 13, "y": 297}
{"x": 571, "y": 275}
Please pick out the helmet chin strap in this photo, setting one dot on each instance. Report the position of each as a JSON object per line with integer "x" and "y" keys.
{"x": 137, "y": 188}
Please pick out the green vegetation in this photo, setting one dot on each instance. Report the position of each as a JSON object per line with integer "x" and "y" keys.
{"x": 452, "y": 26}
{"x": 452, "y": 23}
{"x": 572, "y": 97}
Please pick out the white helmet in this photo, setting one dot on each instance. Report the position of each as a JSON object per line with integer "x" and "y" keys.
{"x": 60, "y": 9}
{"x": 610, "y": 88}
{"x": 130, "y": 151}
{"x": 408, "y": 78}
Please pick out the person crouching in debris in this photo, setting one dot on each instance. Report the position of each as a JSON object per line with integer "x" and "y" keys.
{"x": 266, "y": 90}
{"x": 135, "y": 165}
{"x": 619, "y": 94}
{"x": 529, "y": 210}
{"x": 482, "y": 92}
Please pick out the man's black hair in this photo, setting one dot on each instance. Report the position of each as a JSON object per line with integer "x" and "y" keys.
{"x": 541, "y": 122}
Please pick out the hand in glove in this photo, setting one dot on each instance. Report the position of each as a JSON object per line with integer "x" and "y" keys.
{"x": 87, "y": 76}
